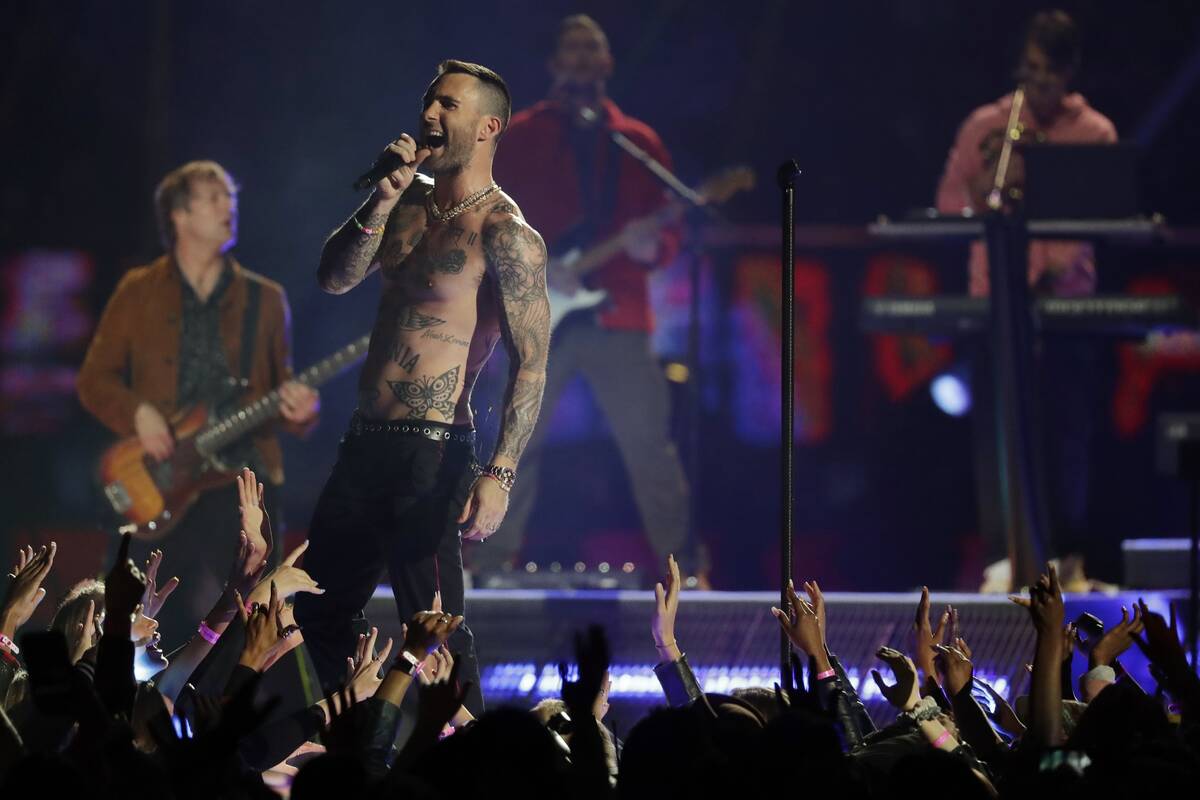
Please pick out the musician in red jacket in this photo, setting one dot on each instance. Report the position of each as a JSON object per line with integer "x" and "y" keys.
{"x": 579, "y": 189}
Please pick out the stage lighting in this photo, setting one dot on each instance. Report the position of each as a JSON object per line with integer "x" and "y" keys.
{"x": 951, "y": 392}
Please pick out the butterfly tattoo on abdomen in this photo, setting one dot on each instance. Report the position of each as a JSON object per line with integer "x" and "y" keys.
{"x": 423, "y": 394}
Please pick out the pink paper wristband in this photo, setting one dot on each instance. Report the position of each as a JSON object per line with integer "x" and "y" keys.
{"x": 941, "y": 740}
{"x": 9, "y": 645}
{"x": 208, "y": 634}
{"x": 829, "y": 673}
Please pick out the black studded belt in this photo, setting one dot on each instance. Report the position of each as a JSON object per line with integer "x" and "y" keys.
{"x": 435, "y": 431}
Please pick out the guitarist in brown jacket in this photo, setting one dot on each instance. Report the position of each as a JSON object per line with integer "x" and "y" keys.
{"x": 174, "y": 334}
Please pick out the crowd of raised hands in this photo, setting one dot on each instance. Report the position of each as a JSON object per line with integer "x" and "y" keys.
{"x": 953, "y": 734}
{"x": 205, "y": 721}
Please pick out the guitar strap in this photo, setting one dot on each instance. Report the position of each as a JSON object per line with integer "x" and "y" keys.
{"x": 249, "y": 327}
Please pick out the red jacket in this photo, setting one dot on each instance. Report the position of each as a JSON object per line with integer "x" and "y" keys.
{"x": 535, "y": 164}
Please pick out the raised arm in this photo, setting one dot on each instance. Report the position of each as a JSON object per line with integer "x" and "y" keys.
{"x": 349, "y": 255}
{"x": 516, "y": 255}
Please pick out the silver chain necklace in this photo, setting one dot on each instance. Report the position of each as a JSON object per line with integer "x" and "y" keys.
{"x": 452, "y": 212}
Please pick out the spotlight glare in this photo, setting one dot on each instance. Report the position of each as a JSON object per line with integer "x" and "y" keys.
{"x": 951, "y": 394}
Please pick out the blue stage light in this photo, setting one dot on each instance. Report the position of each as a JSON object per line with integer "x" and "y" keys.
{"x": 951, "y": 393}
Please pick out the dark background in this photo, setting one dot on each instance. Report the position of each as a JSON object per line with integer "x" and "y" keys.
{"x": 98, "y": 101}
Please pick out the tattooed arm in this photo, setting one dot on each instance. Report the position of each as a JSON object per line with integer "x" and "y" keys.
{"x": 517, "y": 255}
{"x": 349, "y": 255}
{"x": 516, "y": 260}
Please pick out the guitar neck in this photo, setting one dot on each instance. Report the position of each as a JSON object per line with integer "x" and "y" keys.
{"x": 229, "y": 429}
{"x": 602, "y": 253}
{"x": 717, "y": 189}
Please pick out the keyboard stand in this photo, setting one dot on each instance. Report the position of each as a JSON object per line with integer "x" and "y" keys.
{"x": 1012, "y": 337}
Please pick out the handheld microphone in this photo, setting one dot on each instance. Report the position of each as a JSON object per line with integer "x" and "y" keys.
{"x": 391, "y": 161}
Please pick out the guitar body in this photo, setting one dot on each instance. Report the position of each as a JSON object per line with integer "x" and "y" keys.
{"x": 562, "y": 303}
{"x": 154, "y": 496}
{"x": 151, "y": 496}
{"x": 578, "y": 263}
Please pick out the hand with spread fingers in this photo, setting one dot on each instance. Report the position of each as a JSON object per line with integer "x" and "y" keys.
{"x": 955, "y": 662}
{"x": 253, "y": 512}
{"x": 86, "y": 634}
{"x": 1160, "y": 642}
{"x": 25, "y": 590}
{"x": 143, "y": 629}
{"x": 803, "y": 627}
{"x": 817, "y": 600}
{"x": 266, "y": 632}
{"x": 362, "y": 671}
{"x": 437, "y": 666}
{"x": 287, "y": 578}
{"x": 1117, "y": 639}
{"x": 155, "y": 597}
{"x": 244, "y": 574}
{"x": 429, "y": 630}
{"x": 666, "y": 607}
{"x": 926, "y": 636}
{"x": 1045, "y": 602}
{"x": 903, "y": 694}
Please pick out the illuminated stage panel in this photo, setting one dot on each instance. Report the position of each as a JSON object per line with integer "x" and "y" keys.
{"x": 731, "y": 639}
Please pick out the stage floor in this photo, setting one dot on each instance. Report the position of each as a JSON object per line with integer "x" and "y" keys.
{"x": 732, "y": 640}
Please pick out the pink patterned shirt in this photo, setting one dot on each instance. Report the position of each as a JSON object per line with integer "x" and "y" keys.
{"x": 1070, "y": 266}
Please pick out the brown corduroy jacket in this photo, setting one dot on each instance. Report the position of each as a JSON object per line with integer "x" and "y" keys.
{"x": 134, "y": 354}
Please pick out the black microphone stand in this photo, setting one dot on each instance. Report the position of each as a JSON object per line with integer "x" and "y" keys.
{"x": 787, "y": 174}
{"x": 692, "y": 414}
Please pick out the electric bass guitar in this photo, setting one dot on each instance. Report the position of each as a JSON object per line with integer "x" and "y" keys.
{"x": 577, "y": 263}
{"x": 152, "y": 496}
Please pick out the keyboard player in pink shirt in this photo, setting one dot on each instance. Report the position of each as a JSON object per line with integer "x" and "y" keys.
{"x": 1051, "y": 113}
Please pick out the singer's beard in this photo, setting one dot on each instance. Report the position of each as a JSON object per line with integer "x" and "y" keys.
{"x": 455, "y": 156}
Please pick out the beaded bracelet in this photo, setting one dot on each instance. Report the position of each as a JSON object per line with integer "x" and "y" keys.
{"x": 364, "y": 229}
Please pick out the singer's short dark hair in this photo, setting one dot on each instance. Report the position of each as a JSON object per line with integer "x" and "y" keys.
{"x": 175, "y": 191}
{"x": 496, "y": 98}
{"x": 1056, "y": 35}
